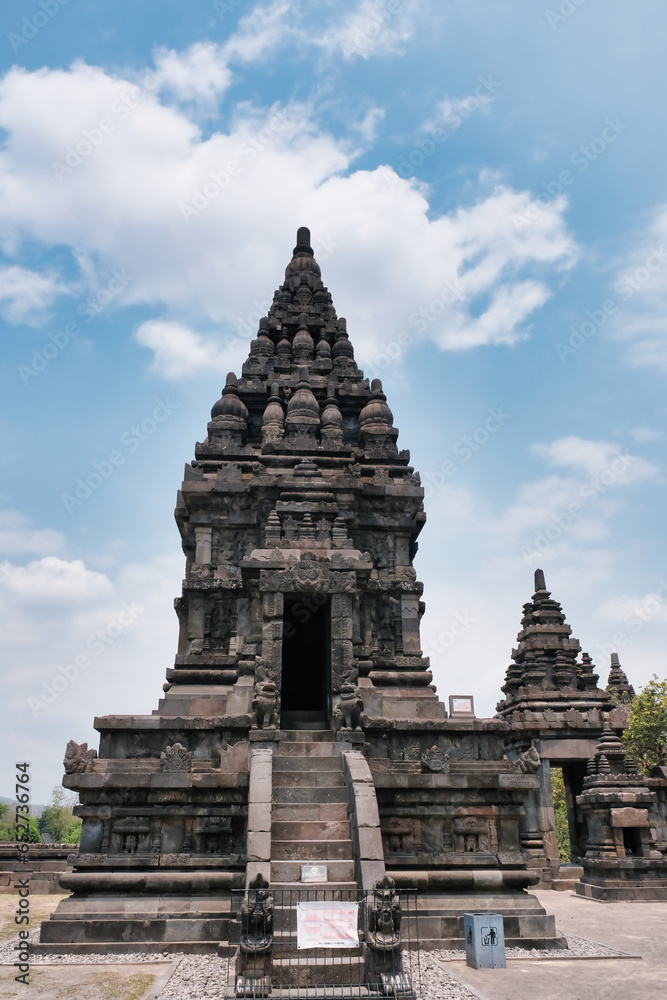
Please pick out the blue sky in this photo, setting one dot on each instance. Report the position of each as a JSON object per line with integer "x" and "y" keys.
{"x": 486, "y": 192}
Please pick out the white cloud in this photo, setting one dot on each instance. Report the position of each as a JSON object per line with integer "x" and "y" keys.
{"x": 180, "y": 352}
{"x": 370, "y": 123}
{"x": 18, "y": 537}
{"x": 563, "y": 523}
{"x": 54, "y": 580}
{"x": 642, "y": 435}
{"x": 596, "y": 459}
{"x": 373, "y": 29}
{"x": 461, "y": 279}
{"x": 636, "y": 611}
{"x": 24, "y": 294}
{"x": 641, "y": 294}
{"x": 452, "y": 111}
{"x": 263, "y": 30}
{"x": 199, "y": 74}
{"x": 56, "y": 613}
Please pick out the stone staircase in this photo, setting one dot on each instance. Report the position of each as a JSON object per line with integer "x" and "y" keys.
{"x": 309, "y": 818}
{"x": 310, "y": 824}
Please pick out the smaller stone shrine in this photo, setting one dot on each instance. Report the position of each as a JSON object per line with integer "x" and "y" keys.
{"x": 622, "y": 860}
{"x": 554, "y": 705}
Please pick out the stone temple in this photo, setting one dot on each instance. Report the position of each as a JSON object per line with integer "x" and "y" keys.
{"x": 299, "y": 723}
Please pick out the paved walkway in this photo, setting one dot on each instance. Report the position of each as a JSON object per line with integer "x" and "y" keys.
{"x": 638, "y": 928}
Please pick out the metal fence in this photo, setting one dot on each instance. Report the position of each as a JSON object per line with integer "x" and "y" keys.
{"x": 319, "y": 942}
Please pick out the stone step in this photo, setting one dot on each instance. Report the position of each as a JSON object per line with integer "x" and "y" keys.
{"x": 565, "y": 884}
{"x": 303, "y": 749}
{"x": 314, "y": 830}
{"x": 308, "y": 794}
{"x": 314, "y": 812}
{"x": 309, "y": 779}
{"x": 337, "y": 890}
{"x": 287, "y": 949}
{"x": 307, "y": 736}
{"x": 290, "y": 871}
{"x": 199, "y": 931}
{"x": 311, "y": 850}
{"x": 294, "y": 763}
{"x": 317, "y": 971}
{"x": 159, "y": 947}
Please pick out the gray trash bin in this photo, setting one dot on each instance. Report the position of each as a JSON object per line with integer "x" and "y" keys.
{"x": 485, "y": 940}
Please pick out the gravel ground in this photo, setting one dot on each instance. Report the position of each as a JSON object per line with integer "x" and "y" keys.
{"x": 437, "y": 984}
{"x": 200, "y": 977}
{"x": 577, "y": 947}
{"x": 197, "y": 976}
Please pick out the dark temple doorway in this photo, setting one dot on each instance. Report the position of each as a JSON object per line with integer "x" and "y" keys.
{"x": 306, "y": 666}
{"x": 574, "y": 773}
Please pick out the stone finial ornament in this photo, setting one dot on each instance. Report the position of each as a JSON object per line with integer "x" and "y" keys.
{"x": 618, "y": 684}
{"x": 435, "y": 761}
{"x": 175, "y": 758}
{"x": 78, "y": 758}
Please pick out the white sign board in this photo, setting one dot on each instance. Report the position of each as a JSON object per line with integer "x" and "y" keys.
{"x": 326, "y": 925}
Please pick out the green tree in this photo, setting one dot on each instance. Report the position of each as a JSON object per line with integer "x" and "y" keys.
{"x": 560, "y": 814}
{"x": 57, "y": 819}
{"x": 8, "y": 829}
{"x": 645, "y": 739}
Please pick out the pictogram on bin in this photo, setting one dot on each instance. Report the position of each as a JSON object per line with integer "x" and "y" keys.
{"x": 485, "y": 940}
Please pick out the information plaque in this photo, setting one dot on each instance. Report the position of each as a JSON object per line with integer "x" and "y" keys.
{"x": 327, "y": 925}
{"x": 313, "y": 873}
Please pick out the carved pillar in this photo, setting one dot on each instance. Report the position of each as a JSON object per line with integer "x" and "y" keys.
{"x": 196, "y": 616}
{"x": 410, "y": 620}
{"x": 272, "y": 633}
{"x": 341, "y": 637}
{"x": 203, "y": 546}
